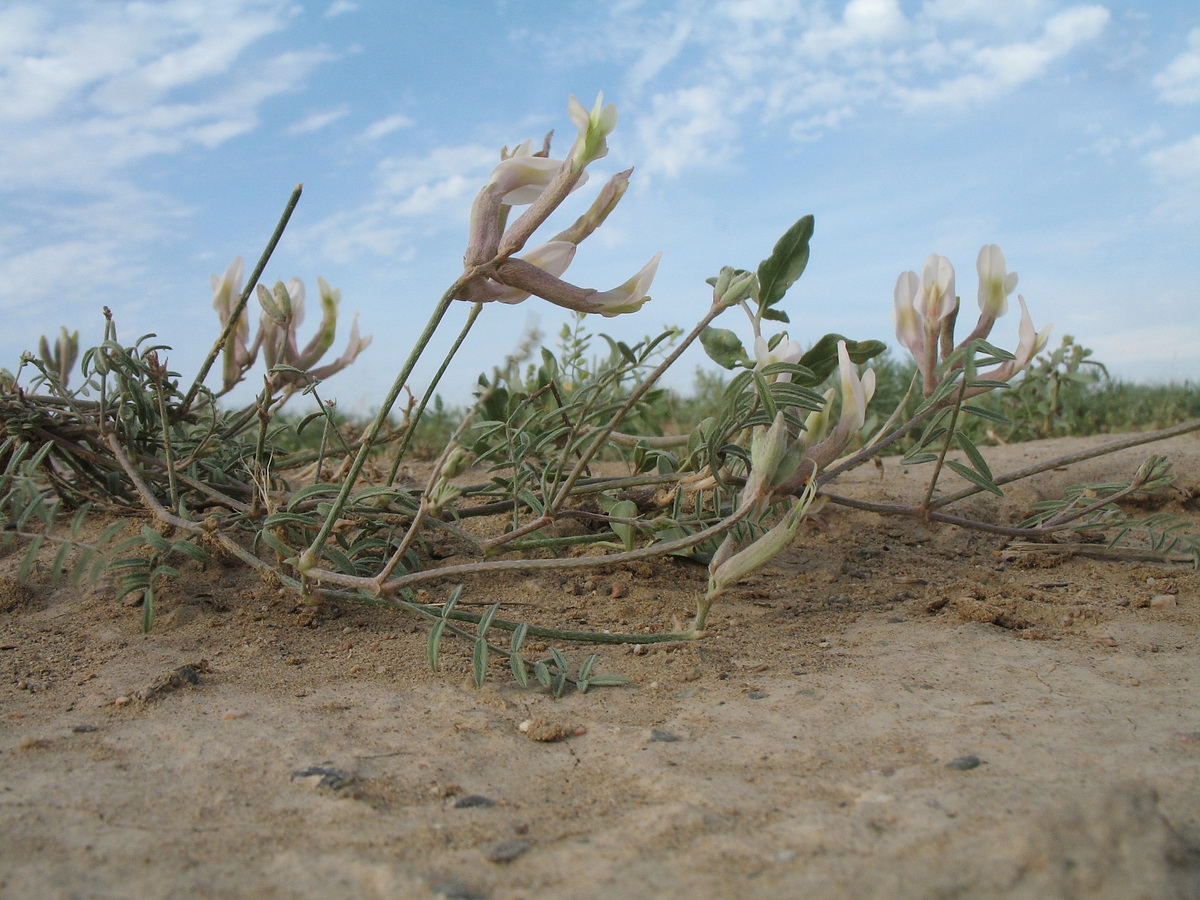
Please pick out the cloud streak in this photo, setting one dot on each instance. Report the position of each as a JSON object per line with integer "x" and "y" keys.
{"x": 1179, "y": 82}
{"x": 89, "y": 92}
{"x": 753, "y": 63}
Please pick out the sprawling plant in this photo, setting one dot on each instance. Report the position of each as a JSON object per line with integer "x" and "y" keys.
{"x": 572, "y": 437}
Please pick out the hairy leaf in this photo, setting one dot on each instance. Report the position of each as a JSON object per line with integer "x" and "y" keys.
{"x": 786, "y": 264}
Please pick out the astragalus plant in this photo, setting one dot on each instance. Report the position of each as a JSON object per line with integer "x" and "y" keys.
{"x": 557, "y": 443}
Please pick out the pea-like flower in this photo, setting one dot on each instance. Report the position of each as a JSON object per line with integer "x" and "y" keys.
{"x": 995, "y": 281}
{"x": 856, "y": 392}
{"x": 995, "y": 284}
{"x": 552, "y": 257}
{"x": 915, "y": 329}
{"x": 935, "y": 296}
{"x": 283, "y": 313}
{"x": 494, "y": 271}
{"x": 626, "y": 297}
{"x": 1030, "y": 343}
{"x": 520, "y": 180}
{"x": 238, "y": 354}
{"x": 786, "y": 351}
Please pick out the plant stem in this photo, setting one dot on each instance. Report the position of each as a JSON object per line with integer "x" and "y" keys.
{"x": 524, "y": 565}
{"x": 1136, "y": 440}
{"x": 251, "y": 282}
{"x": 941, "y": 460}
{"x": 602, "y": 434}
{"x": 368, "y": 439}
{"x": 168, "y": 453}
{"x": 872, "y": 450}
{"x": 415, "y": 417}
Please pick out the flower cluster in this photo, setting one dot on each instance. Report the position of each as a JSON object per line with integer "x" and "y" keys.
{"x": 283, "y": 313}
{"x": 926, "y": 308}
{"x": 523, "y": 178}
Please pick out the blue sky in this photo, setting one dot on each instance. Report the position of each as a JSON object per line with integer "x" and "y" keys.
{"x": 147, "y": 144}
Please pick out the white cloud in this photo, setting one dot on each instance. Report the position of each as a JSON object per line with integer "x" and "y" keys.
{"x": 318, "y": 120}
{"x": 1109, "y": 145}
{"x": 658, "y": 56}
{"x": 993, "y": 70}
{"x": 88, "y": 92}
{"x": 65, "y": 256}
{"x": 687, "y": 128}
{"x": 1179, "y": 82}
{"x": 874, "y": 20}
{"x": 1179, "y": 162}
{"x": 340, "y": 8}
{"x": 412, "y": 195}
{"x": 1132, "y": 345}
{"x": 701, "y": 76}
{"x": 1177, "y": 168}
{"x": 988, "y": 13}
{"x": 386, "y": 126}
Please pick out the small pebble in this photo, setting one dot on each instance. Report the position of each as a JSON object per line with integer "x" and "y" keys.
{"x": 474, "y": 801}
{"x": 756, "y": 695}
{"x": 505, "y": 851}
{"x": 664, "y": 736}
{"x": 457, "y": 889}
{"x": 964, "y": 763}
{"x": 234, "y": 714}
{"x": 323, "y": 777}
{"x": 84, "y": 729}
{"x": 1162, "y": 601}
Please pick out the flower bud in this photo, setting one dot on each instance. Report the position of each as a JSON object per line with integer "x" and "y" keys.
{"x": 594, "y": 128}
{"x": 732, "y": 286}
{"x": 761, "y": 552}
{"x": 767, "y": 447}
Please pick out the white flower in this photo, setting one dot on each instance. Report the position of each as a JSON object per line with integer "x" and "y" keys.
{"x": 856, "y": 392}
{"x": 523, "y": 178}
{"x": 786, "y": 351}
{"x": 1030, "y": 342}
{"x": 627, "y": 297}
{"x": 995, "y": 282}
{"x": 935, "y": 296}
{"x": 910, "y": 325}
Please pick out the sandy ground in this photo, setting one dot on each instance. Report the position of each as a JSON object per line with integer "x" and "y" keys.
{"x": 891, "y": 711}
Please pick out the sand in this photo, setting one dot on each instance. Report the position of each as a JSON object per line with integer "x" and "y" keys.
{"x": 891, "y": 710}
